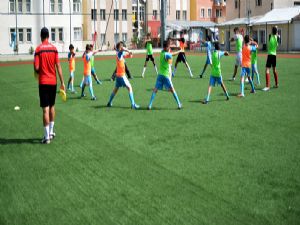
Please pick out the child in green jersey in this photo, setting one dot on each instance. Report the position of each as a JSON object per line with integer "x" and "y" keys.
{"x": 238, "y": 38}
{"x": 149, "y": 56}
{"x": 164, "y": 75}
{"x": 254, "y": 64}
{"x": 216, "y": 74}
{"x": 271, "y": 60}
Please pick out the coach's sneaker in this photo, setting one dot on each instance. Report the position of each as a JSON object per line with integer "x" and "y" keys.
{"x": 52, "y": 136}
{"x": 135, "y": 106}
{"x": 45, "y": 141}
{"x": 94, "y": 98}
{"x": 266, "y": 89}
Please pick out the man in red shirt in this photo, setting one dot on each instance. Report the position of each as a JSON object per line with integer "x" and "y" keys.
{"x": 46, "y": 62}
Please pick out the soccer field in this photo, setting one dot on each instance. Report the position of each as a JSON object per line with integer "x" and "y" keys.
{"x": 228, "y": 162}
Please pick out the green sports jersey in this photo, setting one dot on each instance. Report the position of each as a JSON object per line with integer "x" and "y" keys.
{"x": 149, "y": 48}
{"x": 273, "y": 43}
{"x": 92, "y": 61}
{"x": 254, "y": 57}
{"x": 216, "y": 63}
{"x": 164, "y": 64}
{"x": 238, "y": 42}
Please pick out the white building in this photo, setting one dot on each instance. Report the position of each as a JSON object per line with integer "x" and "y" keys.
{"x": 25, "y": 18}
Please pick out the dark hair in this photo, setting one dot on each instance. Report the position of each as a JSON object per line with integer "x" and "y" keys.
{"x": 44, "y": 33}
{"x": 255, "y": 39}
{"x": 91, "y": 46}
{"x": 182, "y": 39}
{"x": 71, "y": 47}
{"x": 274, "y": 30}
{"x": 236, "y": 29}
{"x": 217, "y": 46}
{"x": 119, "y": 44}
{"x": 87, "y": 47}
{"x": 246, "y": 39}
{"x": 208, "y": 38}
{"x": 165, "y": 44}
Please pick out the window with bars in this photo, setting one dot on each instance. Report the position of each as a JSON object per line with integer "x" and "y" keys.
{"x": 28, "y": 6}
{"x": 20, "y": 6}
{"x": 12, "y": 6}
{"x": 124, "y": 14}
{"x": 209, "y": 13}
{"x": 76, "y": 6}
{"x": 102, "y": 14}
{"x": 177, "y": 14}
{"x": 116, "y": 14}
{"x": 184, "y": 15}
{"x": 60, "y": 6}
{"x": 60, "y": 34}
{"x": 52, "y": 6}
{"x": 94, "y": 14}
{"x": 218, "y": 13}
{"x": 202, "y": 13}
{"x": 53, "y": 34}
{"x": 28, "y": 35}
{"x": 154, "y": 14}
{"x": 77, "y": 34}
{"x": 258, "y": 2}
{"x": 21, "y": 34}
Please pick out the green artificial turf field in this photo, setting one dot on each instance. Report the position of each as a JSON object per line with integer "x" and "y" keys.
{"x": 228, "y": 162}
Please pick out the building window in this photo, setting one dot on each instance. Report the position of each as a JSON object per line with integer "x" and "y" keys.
{"x": 77, "y": 34}
{"x": 219, "y": 13}
{"x": 124, "y": 14}
{"x": 116, "y": 14}
{"x": 271, "y": 5}
{"x": 102, "y": 39}
{"x": 76, "y": 6}
{"x": 280, "y": 37}
{"x": 102, "y": 14}
{"x": 116, "y": 38}
{"x": 52, "y": 6}
{"x": 94, "y": 14}
{"x": 20, "y": 6}
{"x": 184, "y": 15}
{"x": 236, "y": 4}
{"x": 28, "y": 6}
{"x": 60, "y": 6}
{"x": 142, "y": 13}
{"x": 258, "y": 2}
{"x": 53, "y": 36}
{"x": 202, "y": 13}
{"x": 12, "y": 34}
{"x": 28, "y": 34}
{"x": 11, "y": 6}
{"x": 296, "y": 3}
{"x": 134, "y": 13}
{"x": 177, "y": 15}
{"x": 21, "y": 35}
{"x": 124, "y": 37}
{"x": 209, "y": 13}
{"x": 60, "y": 34}
{"x": 262, "y": 37}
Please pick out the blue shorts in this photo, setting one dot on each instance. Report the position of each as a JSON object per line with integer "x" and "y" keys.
{"x": 163, "y": 81}
{"x": 122, "y": 82}
{"x": 245, "y": 71}
{"x": 213, "y": 80}
{"x": 87, "y": 80}
{"x": 72, "y": 74}
{"x": 93, "y": 71}
{"x": 254, "y": 68}
{"x": 208, "y": 61}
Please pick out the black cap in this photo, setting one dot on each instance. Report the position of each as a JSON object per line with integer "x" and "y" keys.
{"x": 44, "y": 33}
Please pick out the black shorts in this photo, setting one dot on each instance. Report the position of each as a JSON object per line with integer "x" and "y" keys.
{"x": 181, "y": 57}
{"x": 271, "y": 61}
{"x": 149, "y": 57}
{"x": 47, "y": 95}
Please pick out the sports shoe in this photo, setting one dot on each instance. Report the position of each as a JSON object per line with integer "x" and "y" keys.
{"x": 266, "y": 89}
{"x": 227, "y": 98}
{"x": 93, "y": 98}
{"x": 179, "y": 106}
{"x": 98, "y": 82}
{"x": 135, "y": 106}
{"x": 201, "y": 76}
{"x": 45, "y": 141}
{"x": 233, "y": 79}
{"x": 109, "y": 104}
{"x": 241, "y": 96}
{"x": 253, "y": 91}
{"x": 82, "y": 95}
{"x": 149, "y": 107}
{"x": 276, "y": 86}
{"x": 52, "y": 136}
{"x": 142, "y": 75}
{"x": 205, "y": 102}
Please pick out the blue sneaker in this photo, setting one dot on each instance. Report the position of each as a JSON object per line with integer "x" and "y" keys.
{"x": 135, "y": 106}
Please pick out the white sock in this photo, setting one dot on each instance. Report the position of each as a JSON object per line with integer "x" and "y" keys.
{"x": 51, "y": 126}
{"x": 144, "y": 69}
{"x": 156, "y": 69}
{"x": 189, "y": 70}
{"x": 46, "y": 132}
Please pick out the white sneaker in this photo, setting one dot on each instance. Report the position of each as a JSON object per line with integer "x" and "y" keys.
{"x": 266, "y": 89}
{"x": 45, "y": 141}
{"x": 52, "y": 136}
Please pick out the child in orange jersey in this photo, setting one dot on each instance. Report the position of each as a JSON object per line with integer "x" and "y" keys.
{"x": 71, "y": 59}
{"x": 248, "y": 48}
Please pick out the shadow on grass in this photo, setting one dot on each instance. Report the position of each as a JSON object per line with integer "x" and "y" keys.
{"x": 129, "y": 108}
{"x": 9, "y": 141}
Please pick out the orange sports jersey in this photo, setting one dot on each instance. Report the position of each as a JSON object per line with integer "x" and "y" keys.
{"x": 120, "y": 59}
{"x": 246, "y": 56}
{"x": 181, "y": 45}
{"x": 46, "y": 58}
{"x": 87, "y": 64}
{"x": 71, "y": 59}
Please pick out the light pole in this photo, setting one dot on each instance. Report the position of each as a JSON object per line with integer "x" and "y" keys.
{"x": 163, "y": 22}
{"x": 44, "y": 12}
{"x": 70, "y": 22}
{"x": 16, "y": 11}
{"x": 117, "y": 18}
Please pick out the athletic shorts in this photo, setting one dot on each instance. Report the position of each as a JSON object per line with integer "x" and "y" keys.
{"x": 72, "y": 74}
{"x": 122, "y": 82}
{"x": 245, "y": 72}
{"x": 163, "y": 81}
{"x": 47, "y": 95}
{"x": 213, "y": 80}
{"x": 271, "y": 61}
{"x": 181, "y": 57}
{"x": 149, "y": 57}
{"x": 87, "y": 80}
{"x": 254, "y": 68}
{"x": 238, "y": 59}
{"x": 93, "y": 71}
{"x": 208, "y": 61}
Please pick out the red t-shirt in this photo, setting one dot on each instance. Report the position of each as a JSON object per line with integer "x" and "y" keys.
{"x": 46, "y": 57}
